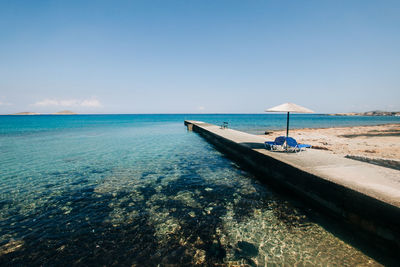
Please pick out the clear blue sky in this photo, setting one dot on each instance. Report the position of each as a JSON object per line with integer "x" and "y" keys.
{"x": 198, "y": 56}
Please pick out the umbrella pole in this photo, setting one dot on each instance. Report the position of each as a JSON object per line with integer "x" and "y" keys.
{"x": 287, "y": 125}
{"x": 287, "y": 129}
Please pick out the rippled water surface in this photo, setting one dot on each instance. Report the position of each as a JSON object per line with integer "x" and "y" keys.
{"x": 142, "y": 190}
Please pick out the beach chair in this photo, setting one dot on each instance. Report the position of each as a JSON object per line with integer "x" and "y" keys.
{"x": 279, "y": 141}
{"x": 291, "y": 143}
{"x": 224, "y": 125}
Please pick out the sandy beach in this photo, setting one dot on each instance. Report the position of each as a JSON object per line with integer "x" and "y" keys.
{"x": 372, "y": 142}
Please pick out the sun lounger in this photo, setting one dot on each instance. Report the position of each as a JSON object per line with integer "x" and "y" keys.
{"x": 291, "y": 143}
{"x": 272, "y": 145}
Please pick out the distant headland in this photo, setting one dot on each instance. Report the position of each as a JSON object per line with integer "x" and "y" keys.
{"x": 63, "y": 112}
{"x": 369, "y": 113}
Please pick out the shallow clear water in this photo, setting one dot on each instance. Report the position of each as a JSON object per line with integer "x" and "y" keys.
{"x": 131, "y": 189}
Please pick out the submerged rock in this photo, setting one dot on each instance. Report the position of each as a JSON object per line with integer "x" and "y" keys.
{"x": 247, "y": 249}
{"x": 199, "y": 257}
{"x": 11, "y": 246}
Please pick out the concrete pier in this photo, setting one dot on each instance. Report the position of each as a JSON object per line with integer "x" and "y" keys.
{"x": 362, "y": 194}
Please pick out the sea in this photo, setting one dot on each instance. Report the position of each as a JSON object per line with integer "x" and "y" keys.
{"x": 141, "y": 190}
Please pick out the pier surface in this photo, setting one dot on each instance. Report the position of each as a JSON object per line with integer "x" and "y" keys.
{"x": 364, "y": 194}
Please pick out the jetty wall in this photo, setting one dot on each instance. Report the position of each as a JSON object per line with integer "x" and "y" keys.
{"x": 378, "y": 219}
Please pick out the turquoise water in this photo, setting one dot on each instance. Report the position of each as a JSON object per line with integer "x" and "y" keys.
{"x": 140, "y": 189}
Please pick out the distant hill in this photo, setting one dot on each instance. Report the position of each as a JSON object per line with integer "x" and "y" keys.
{"x": 65, "y": 112}
{"x": 26, "y": 113}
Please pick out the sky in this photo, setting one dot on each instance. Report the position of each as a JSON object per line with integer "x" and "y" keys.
{"x": 198, "y": 56}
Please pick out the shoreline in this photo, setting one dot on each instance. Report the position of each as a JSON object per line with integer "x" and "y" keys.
{"x": 376, "y": 144}
{"x": 334, "y": 127}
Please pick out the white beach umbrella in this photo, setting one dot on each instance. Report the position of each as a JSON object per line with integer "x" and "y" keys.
{"x": 289, "y": 107}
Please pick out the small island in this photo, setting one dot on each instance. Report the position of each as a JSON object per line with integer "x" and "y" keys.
{"x": 65, "y": 112}
{"x": 26, "y": 113}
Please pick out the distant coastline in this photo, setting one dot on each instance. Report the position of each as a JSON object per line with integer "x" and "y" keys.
{"x": 63, "y": 112}
{"x": 368, "y": 113}
{"x": 68, "y": 112}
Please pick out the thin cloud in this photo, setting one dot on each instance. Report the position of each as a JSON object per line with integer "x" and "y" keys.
{"x": 47, "y": 102}
{"x": 92, "y": 103}
{"x": 5, "y": 104}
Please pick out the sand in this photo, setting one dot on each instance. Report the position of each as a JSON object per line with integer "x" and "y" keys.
{"x": 378, "y": 142}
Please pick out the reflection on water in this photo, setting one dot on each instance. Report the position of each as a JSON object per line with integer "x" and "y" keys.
{"x": 138, "y": 196}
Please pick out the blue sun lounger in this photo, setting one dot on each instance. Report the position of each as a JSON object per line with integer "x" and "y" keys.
{"x": 292, "y": 143}
{"x": 272, "y": 145}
